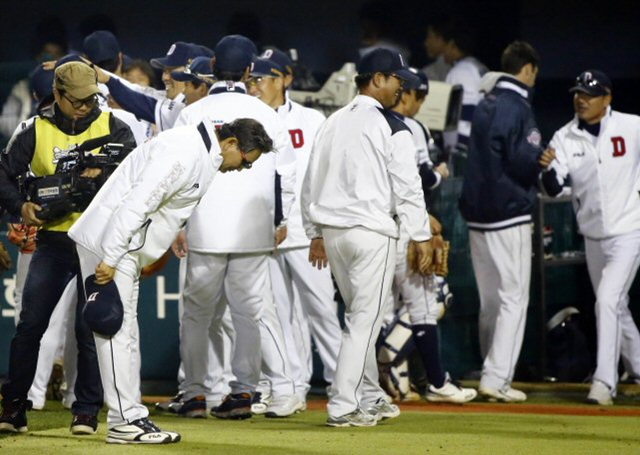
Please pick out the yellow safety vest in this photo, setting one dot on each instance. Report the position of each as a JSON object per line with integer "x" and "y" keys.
{"x": 50, "y": 145}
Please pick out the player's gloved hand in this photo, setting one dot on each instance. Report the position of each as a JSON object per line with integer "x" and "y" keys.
{"x": 317, "y": 254}
{"x": 179, "y": 246}
{"x": 5, "y": 259}
{"x": 104, "y": 273}
{"x": 281, "y": 235}
{"x": 29, "y": 212}
{"x": 436, "y": 227}
{"x": 546, "y": 158}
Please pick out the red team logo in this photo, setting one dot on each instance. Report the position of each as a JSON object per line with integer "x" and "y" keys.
{"x": 297, "y": 139}
{"x": 619, "y": 148}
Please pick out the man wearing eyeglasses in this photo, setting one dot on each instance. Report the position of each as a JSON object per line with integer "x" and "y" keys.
{"x": 599, "y": 149}
{"x": 361, "y": 178}
{"x": 72, "y": 119}
{"x": 131, "y": 222}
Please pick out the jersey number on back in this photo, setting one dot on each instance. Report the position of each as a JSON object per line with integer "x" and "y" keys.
{"x": 619, "y": 148}
{"x": 297, "y": 139}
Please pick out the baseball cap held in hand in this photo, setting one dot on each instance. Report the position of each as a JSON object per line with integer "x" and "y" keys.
{"x": 77, "y": 79}
{"x": 103, "y": 311}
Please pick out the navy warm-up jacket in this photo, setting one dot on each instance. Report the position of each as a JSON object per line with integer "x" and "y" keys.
{"x": 501, "y": 175}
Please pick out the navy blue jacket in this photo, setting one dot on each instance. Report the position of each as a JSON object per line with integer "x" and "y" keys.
{"x": 500, "y": 180}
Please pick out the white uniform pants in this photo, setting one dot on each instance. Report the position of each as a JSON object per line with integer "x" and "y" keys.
{"x": 54, "y": 339}
{"x": 362, "y": 262}
{"x": 245, "y": 278}
{"x": 612, "y": 264}
{"x": 502, "y": 267}
{"x": 419, "y": 293}
{"x": 304, "y": 299}
{"x": 221, "y": 339}
{"x": 119, "y": 371}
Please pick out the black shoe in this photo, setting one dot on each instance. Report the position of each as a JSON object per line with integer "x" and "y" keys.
{"x": 84, "y": 424}
{"x": 195, "y": 408}
{"x": 234, "y": 406}
{"x": 14, "y": 416}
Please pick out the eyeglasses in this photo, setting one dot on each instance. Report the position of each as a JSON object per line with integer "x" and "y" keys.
{"x": 255, "y": 80}
{"x": 77, "y": 104}
{"x": 245, "y": 163}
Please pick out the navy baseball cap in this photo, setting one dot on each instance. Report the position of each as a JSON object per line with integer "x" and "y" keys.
{"x": 199, "y": 69}
{"x": 234, "y": 53}
{"x": 593, "y": 83}
{"x": 421, "y": 83}
{"x": 179, "y": 54}
{"x": 41, "y": 82}
{"x": 204, "y": 51}
{"x": 103, "y": 311}
{"x": 266, "y": 67}
{"x": 66, "y": 59}
{"x": 101, "y": 46}
{"x": 381, "y": 60}
{"x": 279, "y": 57}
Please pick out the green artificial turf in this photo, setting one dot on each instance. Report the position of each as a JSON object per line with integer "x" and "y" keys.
{"x": 414, "y": 432}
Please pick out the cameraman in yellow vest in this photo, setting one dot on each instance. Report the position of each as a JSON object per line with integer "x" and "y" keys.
{"x": 35, "y": 148}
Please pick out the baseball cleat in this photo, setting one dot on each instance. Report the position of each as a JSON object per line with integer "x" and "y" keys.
{"x": 357, "y": 418}
{"x": 506, "y": 395}
{"x": 172, "y": 405}
{"x": 599, "y": 394}
{"x": 195, "y": 408}
{"x": 141, "y": 431}
{"x": 284, "y": 406}
{"x": 234, "y": 406}
{"x": 260, "y": 403}
{"x": 382, "y": 409}
{"x": 14, "y": 416}
{"x": 450, "y": 392}
{"x": 84, "y": 424}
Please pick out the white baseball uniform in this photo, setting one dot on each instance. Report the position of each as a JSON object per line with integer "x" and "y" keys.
{"x": 304, "y": 295}
{"x": 605, "y": 179}
{"x": 130, "y": 223}
{"x": 233, "y": 251}
{"x": 361, "y": 173}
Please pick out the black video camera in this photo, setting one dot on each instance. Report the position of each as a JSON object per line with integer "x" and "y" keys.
{"x": 67, "y": 190}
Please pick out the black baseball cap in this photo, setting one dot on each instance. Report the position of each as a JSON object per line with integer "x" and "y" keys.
{"x": 421, "y": 83}
{"x": 267, "y": 67}
{"x": 101, "y": 46}
{"x": 234, "y": 53}
{"x": 382, "y": 60}
{"x": 103, "y": 311}
{"x": 199, "y": 69}
{"x": 593, "y": 83}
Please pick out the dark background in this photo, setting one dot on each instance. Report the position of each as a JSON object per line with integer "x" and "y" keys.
{"x": 570, "y": 35}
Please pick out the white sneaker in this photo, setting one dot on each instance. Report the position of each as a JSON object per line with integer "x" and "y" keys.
{"x": 284, "y": 406}
{"x": 357, "y": 418}
{"x": 506, "y": 395}
{"x": 260, "y": 402}
{"x": 382, "y": 409}
{"x": 450, "y": 392}
{"x": 141, "y": 431}
{"x": 599, "y": 394}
